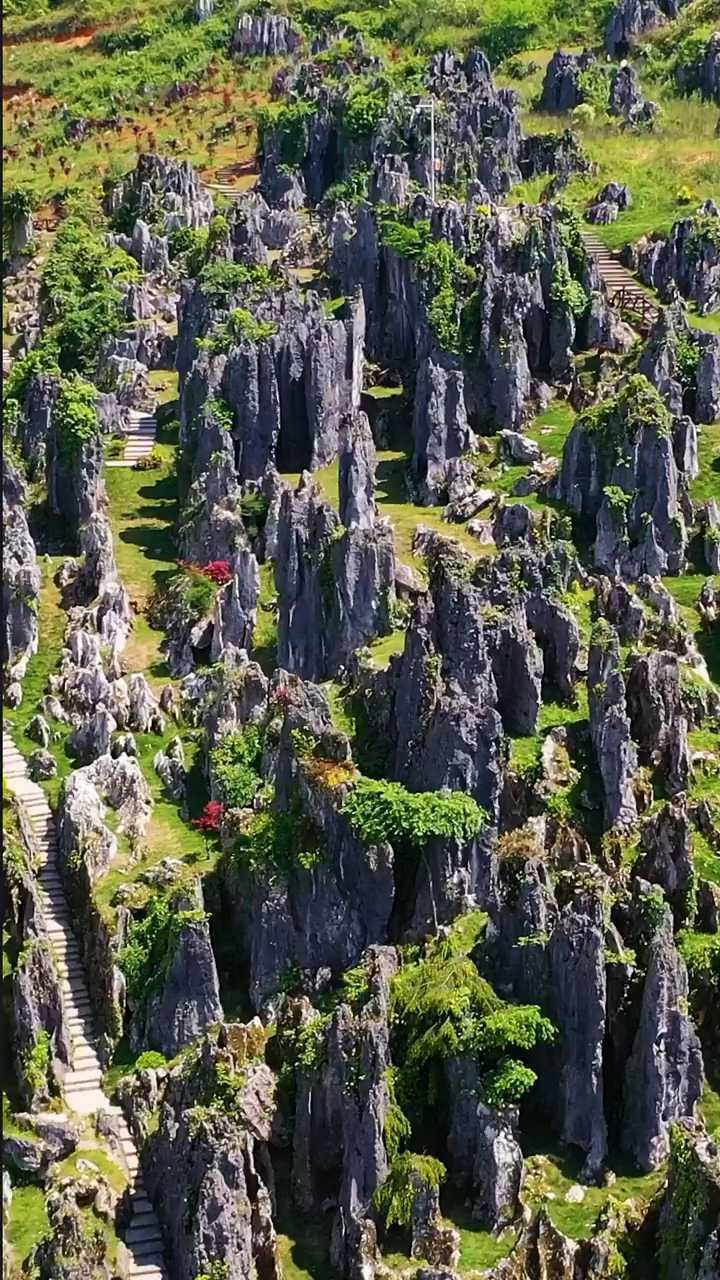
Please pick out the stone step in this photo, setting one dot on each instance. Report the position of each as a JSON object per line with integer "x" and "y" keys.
{"x": 143, "y": 1235}
{"x": 145, "y": 1219}
{"x": 145, "y": 1273}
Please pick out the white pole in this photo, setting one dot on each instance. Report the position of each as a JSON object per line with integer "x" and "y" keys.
{"x": 432, "y": 150}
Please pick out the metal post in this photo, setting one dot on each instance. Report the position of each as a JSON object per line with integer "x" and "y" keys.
{"x": 432, "y": 150}
{"x": 431, "y": 105}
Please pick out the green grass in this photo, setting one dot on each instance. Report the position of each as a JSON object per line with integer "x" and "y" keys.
{"x": 706, "y": 485}
{"x": 551, "y": 1176}
{"x": 551, "y": 428}
{"x": 264, "y": 648}
{"x": 109, "y": 1168}
{"x": 680, "y": 152}
{"x": 710, "y": 1111}
{"x": 686, "y": 589}
{"x": 28, "y": 1220}
{"x": 52, "y": 623}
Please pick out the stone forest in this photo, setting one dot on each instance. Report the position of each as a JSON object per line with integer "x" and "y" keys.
{"x": 361, "y": 640}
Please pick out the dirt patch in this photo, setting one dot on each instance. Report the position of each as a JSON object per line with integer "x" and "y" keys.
{"x": 17, "y": 90}
{"x": 77, "y": 38}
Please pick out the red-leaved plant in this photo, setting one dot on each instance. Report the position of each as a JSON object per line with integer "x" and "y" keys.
{"x": 211, "y": 817}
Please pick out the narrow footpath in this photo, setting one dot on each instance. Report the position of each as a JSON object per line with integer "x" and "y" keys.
{"x": 142, "y": 430}
{"x": 82, "y": 1087}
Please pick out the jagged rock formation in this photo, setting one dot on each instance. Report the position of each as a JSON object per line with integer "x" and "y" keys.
{"x": 664, "y": 1074}
{"x": 632, "y": 18}
{"x": 339, "y": 1134}
{"x": 210, "y": 1148}
{"x": 702, "y": 75}
{"x": 287, "y": 391}
{"x": 336, "y": 586}
{"x": 264, "y": 35}
{"x": 687, "y": 260}
{"x": 21, "y": 578}
{"x": 619, "y": 468}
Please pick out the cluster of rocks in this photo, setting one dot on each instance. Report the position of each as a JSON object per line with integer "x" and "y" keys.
{"x": 572, "y": 79}
{"x": 611, "y": 200}
{"x": 619, "y": 468}
{"x": 703, "y": 75}
{"x": 335, "y": 575}
{"x": 20, "y": 585}
{"x": 630, "y": 19}
{"x": 478, "y": 137}
{"x": 687, "y": 261}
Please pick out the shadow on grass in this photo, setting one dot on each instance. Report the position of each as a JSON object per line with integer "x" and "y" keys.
{"x": 155, "y": 543}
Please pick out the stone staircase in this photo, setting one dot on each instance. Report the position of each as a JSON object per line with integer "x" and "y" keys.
{"x": 82, "y": 1086}
{"x": 140, "y": 439}
{"x": 624, "y": 290}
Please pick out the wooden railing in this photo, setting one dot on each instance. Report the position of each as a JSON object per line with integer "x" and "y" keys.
{"x": 637, "y": 302}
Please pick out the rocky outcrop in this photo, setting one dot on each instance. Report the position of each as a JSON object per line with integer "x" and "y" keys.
{"x": 632, "y": 18}
{"x": 703, "y": 74}
{"x": 485, "y": 1159}
{"x": 684, "y": 364}
{"x": 664, "y": 1075}
{"x": 73, "y": 1247}
{"x": 335, "y": 587}
{"x": 619, "y": 468}
{"x": 610, "y": 731}
{"x": 577, "y": 962}
{"x": 21, "y": 578}
{"x": 688, "y": 1227}
{"x": 656, "y": 713}
{"x": 666, "y": 858}
{"x": 187, "y": 1002}
{"x": 687, "y": 260}
{"x": 562, "y": 85}
{"x": 339, "y": 1130}
{"x": 159, "y": 187}
{"x": 210, "y": 1149}
{"x": 264, "y": 35}
{"x": 288, "y": 390}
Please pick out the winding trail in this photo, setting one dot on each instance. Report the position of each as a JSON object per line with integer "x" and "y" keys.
{"x": 624, "y": 290}
{"x": 82, "y": 1086}
{"x": 142, "y": 430}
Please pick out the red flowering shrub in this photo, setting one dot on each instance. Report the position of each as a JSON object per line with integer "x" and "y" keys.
{"x": 218, "y": 570}
{"x": 211, "y": 818}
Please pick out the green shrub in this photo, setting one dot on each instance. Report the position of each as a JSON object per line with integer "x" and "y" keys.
{"x": 235, "y": 765}
{"x": 441, "y": 1007}
{"x": 568, "y": 292}
{"x": 36, "y": 1064}
{"x": 395, "y": 1198}
{"x": 220, "y": 279}
{"x": 276, "y": 841}
{"x": 364, "y": 110}
{"x": 150, "y": 946}
{"x": 617, "y": 420}
{"x": 378, "y": 811}
{"x": 150, "y": 1061}
{"x": 76, "y": 414}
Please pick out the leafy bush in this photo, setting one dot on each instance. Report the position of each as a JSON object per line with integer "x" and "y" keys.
{"x": 568, "y": 292}
{"x": 36, "y": 1064}
{"x": 441, "y": 1007}
{"x": 378, "y": 810}
{"x": 408, "y": 1172}
{"x": 363, "y": 111}
{"x": 235, "y": 766}
{"x": 76, "y": 414}
{"x": 220, "y": 279}
{"x": 276, "y": 841}
{"x": 150, "y": 1061}
{"x": 617, "y": 420}
{"x": 150, "y": 946}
